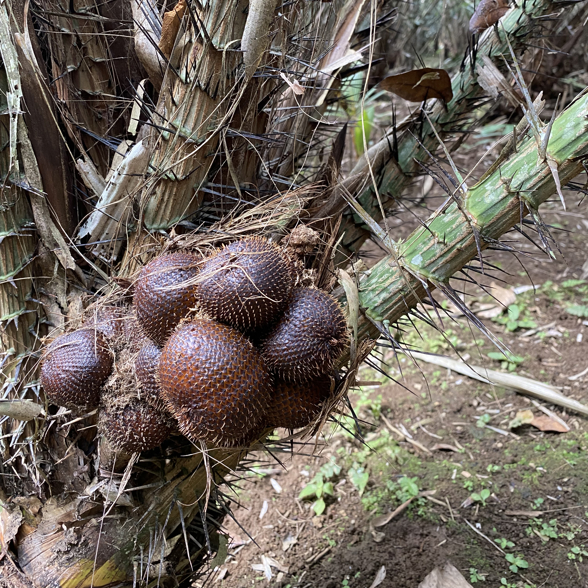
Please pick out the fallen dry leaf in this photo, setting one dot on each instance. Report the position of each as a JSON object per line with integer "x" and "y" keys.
{"x": 170, "y": 27}
{"x": 447, "y": 576}
{"x": 545, "y": 423}
{"x": 504, "y": 296}
{"x": 489, "y": 311}
{"x": 380, "y": 577}
{"x": 420, "y": 84}
{"x": 10, "y": 521}
{"x": 378, "y": 536}
{"x": 487, "y": 13}
{"x": 294, "y": 85}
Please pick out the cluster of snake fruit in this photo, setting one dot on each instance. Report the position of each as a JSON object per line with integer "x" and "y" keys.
{"x": 230, "y": 347}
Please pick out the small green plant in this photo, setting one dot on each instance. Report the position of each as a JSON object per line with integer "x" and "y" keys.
{"x": 481, "y": 496}
{"x": 359, "y": 477}
{"x": 476, "y": 576}
{"x": 484, "y": 419}
{"x": 504, "y": 543}
{"x": 492, "y": 469}
{"x": 515, "y": 318}
{"x": 507, "y": 362}
{"x": 577, "y": 554}
{"x": 549, "y": 529}
{"x": 546, "y": 531}
{"x": 408, "y": 488}
{"x": 571, "y": 533}
{"x": 516, "y": 563}
{"x": 573, "y": 284}
{"x": 537, "y": 503}
{"x": 321, "y": 486}
{"x": 468, "y": 485}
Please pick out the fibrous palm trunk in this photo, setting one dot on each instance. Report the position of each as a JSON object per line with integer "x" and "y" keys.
{"x": 213, "y": 129}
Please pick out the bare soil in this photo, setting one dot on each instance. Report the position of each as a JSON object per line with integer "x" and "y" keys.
{"x": 537, "y": 508}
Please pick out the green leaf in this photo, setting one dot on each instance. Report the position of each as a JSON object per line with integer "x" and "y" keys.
{"x": 319, "y": 507}
{"x": 364, "y": 124}
{"x": 572, "y": 283}
{"x": 328, "y": 488}
{"x": 409, "y": 487}
{"x": 359, "y": 478}
{"x": 485, "y": 494}
{"x": 499, "y": 356}
{"x": 308, "y": 491}
{"x": 514, "y": 312}
{"x": 319, "y": 487}
{"x": 476, "y": 497}
{"x": 578, "y": 310}
{"x": 330, "y": 469}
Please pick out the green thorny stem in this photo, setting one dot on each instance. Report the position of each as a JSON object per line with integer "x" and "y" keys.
{"x": 394, "y": 169}
{"x": 456, "y": 233}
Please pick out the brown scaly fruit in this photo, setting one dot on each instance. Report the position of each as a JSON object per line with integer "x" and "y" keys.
{"x": 74, "y": 367}
{"x": 146, "y": 367}
{"x": 165, "y": 292}
{"x": 246, "y": 284}
{"x": 294, "y": 406}
{"x": 132, "y": 425}
{"x": 214, "y": 382}
{"x": 310, "y": 337}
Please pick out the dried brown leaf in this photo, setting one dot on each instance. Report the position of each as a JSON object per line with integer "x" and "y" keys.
{"x": 380, "y": 577}
{"x": 447, "y": 576}
{"x": 170, "y": 27}
{"x": 545, "y": 423}
{"x": 487, "y": 13}
{"x": 505, "y": 296}
{"x": 10, "y": 521}
{"x": 420, "y": 84}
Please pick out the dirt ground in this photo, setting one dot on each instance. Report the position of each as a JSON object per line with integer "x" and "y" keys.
{"x": 504, "y": 502}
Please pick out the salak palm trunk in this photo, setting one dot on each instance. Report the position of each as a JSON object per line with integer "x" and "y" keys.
{"x": 215, "y": 120}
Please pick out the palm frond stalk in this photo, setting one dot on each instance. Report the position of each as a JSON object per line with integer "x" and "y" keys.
{"x": 397, "y": 158}
{"x": 470, "y": 222}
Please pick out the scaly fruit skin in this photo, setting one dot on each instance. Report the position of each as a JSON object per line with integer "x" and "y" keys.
{"x": 146, "y": 368}
{"x": 310, "y": 336}
{"x": 214, "y": 382}
{"x": 133, "y": 425}
{"x": 74, "y": 368}
{"x": 165, "y": 292}
{"x": 294, "y": 406}
{"x": 246, "y": 284}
